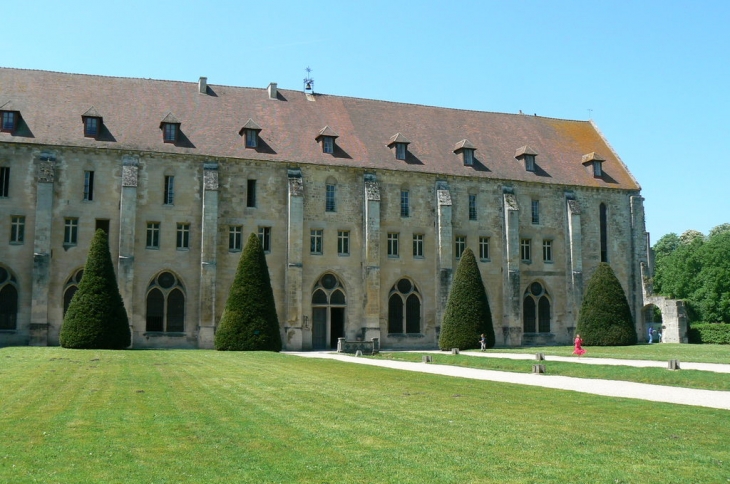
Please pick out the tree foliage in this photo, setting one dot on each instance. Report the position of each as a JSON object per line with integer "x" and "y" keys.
{"x": 249, "y": 321}
{"x": 697, "y": 269}
{"x": 467, "y": 314}
{"x": 96, "y": 318}
{"x": 605, "y": 316}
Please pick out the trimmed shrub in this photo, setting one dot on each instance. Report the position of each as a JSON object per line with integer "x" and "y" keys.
{"x": 467, "y": 314}
{"x": 96, "y": 318}
{"x": 605, "y": 315}
{"x": 249, "y": 321}
{"x": 709, "y": 333}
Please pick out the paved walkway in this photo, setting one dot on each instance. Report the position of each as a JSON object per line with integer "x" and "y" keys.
{"x": 610, "y": 388}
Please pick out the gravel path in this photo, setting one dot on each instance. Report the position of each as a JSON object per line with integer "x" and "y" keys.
{"x": 610, "y": 388}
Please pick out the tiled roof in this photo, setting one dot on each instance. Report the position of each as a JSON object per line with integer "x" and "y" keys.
{"x": 50, "y": 103}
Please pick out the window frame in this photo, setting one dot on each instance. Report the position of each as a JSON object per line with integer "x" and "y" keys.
{"x": 526, "y": 250}
{"x": 405, "y": 204}
{"x": 235, "y": 238}
{"x": 251, "y": 193}
{"x": 169, "y": 194}
{"x": 92, "y": 126}
{"x": 597, "y": 169}
{"x": 530, "y": 163}
{"x": 88, "y": 185}
{"x": 17, "y": 229}
{"x": 472, "y": 207}
{"x": 459, "y": 246}
{"x": 330, "y": 201}
{"x": 401, "y": 151}
{"x": 535, "y": 207}
{"x": 393, "y": 249}
{"x": 264, "y": 234}
{"x": 9, "y": 126}
{"x": 170, "y": 132}
{"x": 328, "y": 144}
{"x": 153, "y": 236}
{"x": 418, "y": 246}
{"x": 547, "y": 250}
{"x": 70, "y": 231}
{"x": 4, "y": 181}
{"x": 251, "y": 138}
{"x": 316, "y": 241}
{"x": 182, "y": 241}
{"x": 343, "y": 242}
{"x": 484, "y": 248}
{"x": 468, "y": 157}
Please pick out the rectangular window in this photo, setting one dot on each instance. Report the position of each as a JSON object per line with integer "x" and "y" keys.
{"x": 536, "y": 212}
{"x": 484, "y": 248}
{"x": 91, "y": 126}
{"x": 405, "y": 209}
{"x": 70, "y": 231}
{"x": 169, "y": 132}
{"x": 547, "y": 250}
{"x": 329, "y": 205}
{"x": 265, "y": 238}
{"x": 597, "y": 171}
{"x": 153, "y": 235}
{"x": 4, "y": 181}
{"x": 400, "y": 151}
{"x": 252, "y": 138}
{"x": 315, "y": 241}
{"x": 530, "y": 162}
{"x": 251, "y": 193}
{"x": 472, "y": 207}
{"x": 328, "y": 144}
{"x": 468, "y": 157}
{"x": 183, "y": 236}
{"x": 17, "y": 229}
{"x": 526, "y": 250}
{"x": 234, "y": 238}
{"x": 169, "y": 190}
{"x": 418, "y": 245}
{"x": 393, "y": 244}
{"x": 9, "y": 119}
{"x": 88, "y": 186}
{"x": 459, "y": 245}
{"x": 343, "y": 242}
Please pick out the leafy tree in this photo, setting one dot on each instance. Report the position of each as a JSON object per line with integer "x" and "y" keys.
{"x": 605, "y": 316}
{"x": 249, "y": 321}
{"x": 722, "y": 228}
{"x": 96, "y": 318}
{"x": 467, "y": 314}
{"x": 689, "y": 236}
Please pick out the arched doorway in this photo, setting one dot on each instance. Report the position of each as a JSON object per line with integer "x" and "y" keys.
{"x": 328, "y": 312}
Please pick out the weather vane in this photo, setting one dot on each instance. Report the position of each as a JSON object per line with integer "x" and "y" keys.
{"x": 308, "y": 82}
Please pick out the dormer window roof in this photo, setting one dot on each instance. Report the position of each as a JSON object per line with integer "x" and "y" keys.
{"x": 528, "y": 155}
{"x": 9, "y": 118}
{"x": 170, "y": 127}
{"x": 250, "y": 131}
{"x": 594, "y": 162}
{"x": 467, "y": 150}
{"x": 327, "y": 136}
{"x": 92, "y": 122}
{"x": 401, "y": 146}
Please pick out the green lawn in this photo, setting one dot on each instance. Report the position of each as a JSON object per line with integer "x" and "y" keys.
{"x": 658, "y": 376}
{"x": 206, "y": 416}
{"x": 658, "y": 352}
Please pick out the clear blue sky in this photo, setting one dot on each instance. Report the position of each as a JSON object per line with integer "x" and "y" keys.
{"x": 655, "y": 75}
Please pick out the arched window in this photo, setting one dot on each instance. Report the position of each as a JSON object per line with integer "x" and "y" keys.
{"x": 8, "y": 300}
{"x": 604, "y": 236}
{"x": 328, "y": 312}
{"x": 70, "y": 288}
{"x": 536, "y": 309}
{"x": 166, "y": 304}
{"x": 404, "y": 308}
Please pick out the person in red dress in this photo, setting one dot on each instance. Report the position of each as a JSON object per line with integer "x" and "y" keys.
{"x": 578, "y": 343}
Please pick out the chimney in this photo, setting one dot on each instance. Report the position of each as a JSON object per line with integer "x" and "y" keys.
{"x": 203, "y": 85}
{"x": 272, "y": 90}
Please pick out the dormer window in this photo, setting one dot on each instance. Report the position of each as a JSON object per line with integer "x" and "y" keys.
{"x": 170, "y": 127}
{"x": 9, "y": 121}
{"x": 327, "y": 137}
{"x": 92, "y": 123}
{"x": 250, "y": 132}
{"x": 593, "y": 162}
{"x": 527, "y": 155}
{"x": 466, "y": 149}
{"x": 400, "y": 143}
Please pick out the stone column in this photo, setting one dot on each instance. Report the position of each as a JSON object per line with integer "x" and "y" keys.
{"x": 127, "y": 224}
{"x": 372, "y": 258}
{"x": 512, "y": 303}
{"x": 445, "y": 233}
{"x": 575, "y": 263}
{"x": 45, "y": 177}
{"x": 296, "y": 334}
{"x": 208, "y": 257}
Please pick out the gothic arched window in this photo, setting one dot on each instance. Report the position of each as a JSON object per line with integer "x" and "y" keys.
{"x": 536, "y": 309}
{"x": 404, "y": 308}
{"x": 8, "y": 300}
{"x": 166, "y": 304}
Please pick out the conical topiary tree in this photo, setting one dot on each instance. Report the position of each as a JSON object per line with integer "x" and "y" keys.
{"x": 249, "y": 321}
{"x": 467, "y": 314}
{"x": 605, "y": 316}
{"x": 96, "y": 318}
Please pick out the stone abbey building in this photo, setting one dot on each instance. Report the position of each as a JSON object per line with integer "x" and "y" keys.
{"x": 363, "y": 208}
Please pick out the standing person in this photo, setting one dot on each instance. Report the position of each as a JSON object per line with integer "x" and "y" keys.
{"x": 578, "y": 343}
{"x": 651, "y": 334}
{"x": 483, "y": 342}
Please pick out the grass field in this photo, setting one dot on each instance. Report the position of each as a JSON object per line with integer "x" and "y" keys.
{"x": 206, "y": 416}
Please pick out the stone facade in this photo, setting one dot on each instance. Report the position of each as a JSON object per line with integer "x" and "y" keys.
{"x": 332, "y": 231}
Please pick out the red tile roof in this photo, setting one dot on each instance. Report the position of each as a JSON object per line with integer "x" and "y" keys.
{"x": 50, "y": 104}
